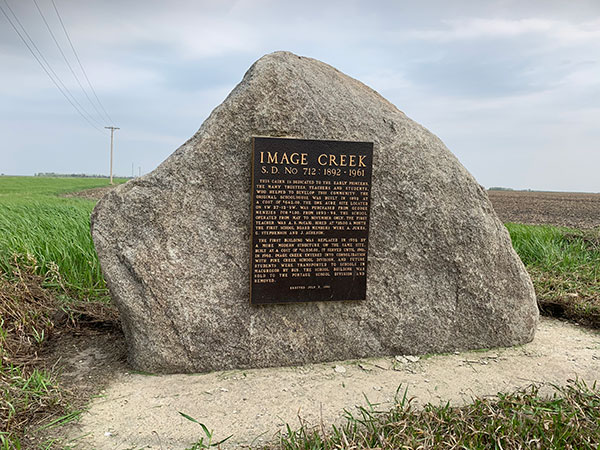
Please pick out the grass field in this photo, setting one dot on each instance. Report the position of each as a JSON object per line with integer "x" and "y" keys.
{"x": 49, "y": 275}
{"x": 564, "y": 265}
{"x": 43, "y": 230}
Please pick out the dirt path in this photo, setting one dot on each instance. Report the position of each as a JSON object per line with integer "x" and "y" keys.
{"x": 141, "y": 411}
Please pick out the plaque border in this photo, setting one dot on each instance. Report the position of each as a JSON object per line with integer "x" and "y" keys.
{"x": 252, "y": 158}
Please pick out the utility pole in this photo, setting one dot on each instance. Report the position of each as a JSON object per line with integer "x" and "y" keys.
{"x": 112, "y": 132}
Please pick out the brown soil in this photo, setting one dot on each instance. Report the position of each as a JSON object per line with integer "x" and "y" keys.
{"x": 87, "y": 360}
{"x": 92, "y": 194}
{"x": 28, "y": 312}
{"x": 567, "y": 209}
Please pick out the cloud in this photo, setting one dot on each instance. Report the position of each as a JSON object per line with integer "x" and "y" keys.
{"x": 492, "y": 28}
{"x": 505, "y": 83}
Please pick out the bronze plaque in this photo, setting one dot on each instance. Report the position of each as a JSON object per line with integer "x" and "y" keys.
{"x": 310, "y": 220}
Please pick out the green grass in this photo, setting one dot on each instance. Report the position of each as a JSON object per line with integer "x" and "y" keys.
{"x": 569, "y": 419}
{"x": 56, "y": 234}
{"x": 50, "y": 232}
{"x": 25, "y": 393}
{"x": 48, "y": 187}
{"x": 564, "y": 265}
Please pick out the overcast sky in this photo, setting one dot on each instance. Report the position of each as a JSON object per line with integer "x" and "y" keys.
{"x": 511, "y": 87}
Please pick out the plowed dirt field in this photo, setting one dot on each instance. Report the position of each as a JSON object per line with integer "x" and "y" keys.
{"x": 567, "y": 209}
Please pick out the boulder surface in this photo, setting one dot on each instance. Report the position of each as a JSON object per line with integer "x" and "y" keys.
{"x": 174, "y": 245}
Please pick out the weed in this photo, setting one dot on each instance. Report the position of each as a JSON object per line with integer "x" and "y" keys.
{"x": 26, "y": 393}
{"x": 570, "y": 418}
{"x": 208, "y": 435}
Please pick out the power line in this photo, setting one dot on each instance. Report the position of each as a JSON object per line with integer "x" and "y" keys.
{"x": 67, "y": 62}
{"x": 81, "y": 65}
{"x": 46, "y": 70}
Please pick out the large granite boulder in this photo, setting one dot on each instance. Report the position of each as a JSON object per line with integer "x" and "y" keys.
{"x": 175, "y": 244}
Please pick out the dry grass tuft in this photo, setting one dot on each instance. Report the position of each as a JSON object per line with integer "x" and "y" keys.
{"x": 29, "y": 315}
